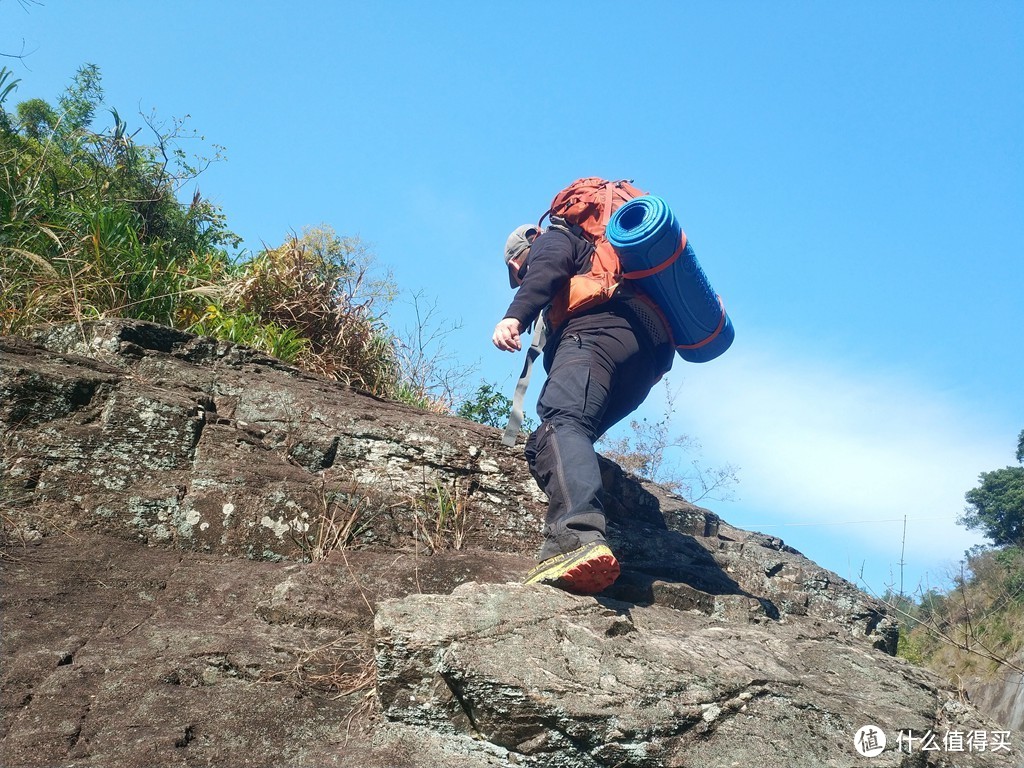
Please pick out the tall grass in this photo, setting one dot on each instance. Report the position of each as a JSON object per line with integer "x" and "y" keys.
{"x": 91, "y": 226}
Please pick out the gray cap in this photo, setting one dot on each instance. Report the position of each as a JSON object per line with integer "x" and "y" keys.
{"x": 517, "y": 244}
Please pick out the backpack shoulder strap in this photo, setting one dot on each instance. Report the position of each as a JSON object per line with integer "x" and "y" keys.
{"x": 561, "y": 225}
{"x": 573, "y": 231}
{"x": 515, "y": 419}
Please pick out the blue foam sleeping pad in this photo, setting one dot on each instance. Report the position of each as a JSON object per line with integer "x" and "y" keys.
{"x": 645, "y": 233}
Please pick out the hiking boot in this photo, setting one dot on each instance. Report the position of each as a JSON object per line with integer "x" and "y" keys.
{"x": 585, "y": 571}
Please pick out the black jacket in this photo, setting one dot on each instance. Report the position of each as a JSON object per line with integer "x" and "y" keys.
{"x": 555, "y": 256}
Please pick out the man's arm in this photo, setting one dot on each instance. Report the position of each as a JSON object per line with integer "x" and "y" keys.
{"x": 549, "y": 266}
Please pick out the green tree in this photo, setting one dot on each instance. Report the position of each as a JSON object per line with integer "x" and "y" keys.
{"x": 996, "y": 506}
{"x": 92, "y": 226}
{"x": 78, "y": 104}
{"x": 36, "y": 119}
{"x": 489, "y": 406}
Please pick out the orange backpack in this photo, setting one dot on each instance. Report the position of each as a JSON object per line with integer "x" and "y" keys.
{"x": 586, "y": 206}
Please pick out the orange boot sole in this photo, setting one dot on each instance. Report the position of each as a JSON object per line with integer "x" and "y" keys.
{"x": 585, "y": 571}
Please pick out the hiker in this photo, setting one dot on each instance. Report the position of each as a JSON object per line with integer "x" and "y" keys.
{"x": 601, "y": 364}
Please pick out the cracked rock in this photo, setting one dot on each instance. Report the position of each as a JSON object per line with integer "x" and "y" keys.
{"x": 533, "y": 674}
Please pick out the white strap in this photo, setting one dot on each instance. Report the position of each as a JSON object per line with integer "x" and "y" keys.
{"x": 515, "y": 419}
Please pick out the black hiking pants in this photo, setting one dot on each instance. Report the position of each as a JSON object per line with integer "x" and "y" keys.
{"x": 596, "y": 378}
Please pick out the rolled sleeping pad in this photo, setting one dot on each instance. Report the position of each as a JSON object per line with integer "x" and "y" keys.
{"x": 655, "y": 255}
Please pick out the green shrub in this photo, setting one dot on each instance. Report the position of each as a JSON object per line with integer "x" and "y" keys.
{"x": 489, "y": 406}
{"x": 90, "y": 225}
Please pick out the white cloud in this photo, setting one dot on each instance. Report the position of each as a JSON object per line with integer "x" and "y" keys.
{"x": 822, "y": 442}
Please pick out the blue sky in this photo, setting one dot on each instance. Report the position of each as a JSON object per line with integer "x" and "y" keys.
{"x": 850, "y": 176}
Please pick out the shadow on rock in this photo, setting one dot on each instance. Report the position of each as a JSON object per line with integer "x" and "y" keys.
{"x": 665, "y": 567}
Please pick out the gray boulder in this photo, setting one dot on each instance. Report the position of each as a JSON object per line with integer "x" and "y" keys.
{"x": 551, "y": 679}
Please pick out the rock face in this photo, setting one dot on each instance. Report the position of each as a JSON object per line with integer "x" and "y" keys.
{"x": 212, "y": 558}
{"x": 559, "y": 680}
{"x": 1001, "y": 696}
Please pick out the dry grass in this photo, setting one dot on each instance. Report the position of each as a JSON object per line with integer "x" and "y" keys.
{"x": 441, "y": 516}
{"x": 22, "y": 523}
{"x": 347, "y": 511}
{"x": 343, "y": 667}
{"x": 319, "y": 286}
{"x": 338, "y": 668}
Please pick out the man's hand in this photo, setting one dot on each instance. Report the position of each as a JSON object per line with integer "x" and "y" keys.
{"x": 506, "y": 335}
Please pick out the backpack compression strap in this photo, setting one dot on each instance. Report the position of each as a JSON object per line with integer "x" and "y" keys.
{"x": 515, "y": 419}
